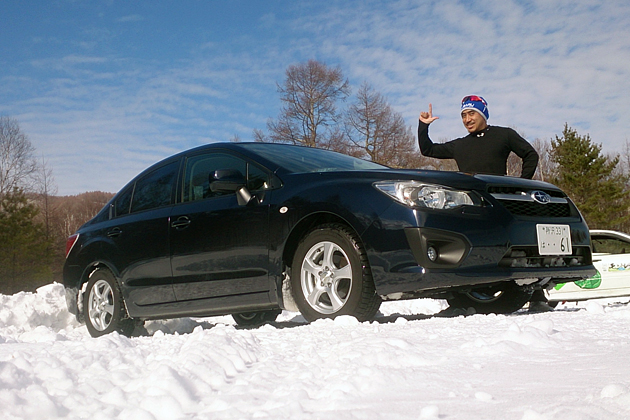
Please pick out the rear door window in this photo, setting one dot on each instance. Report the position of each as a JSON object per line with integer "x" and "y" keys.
{"x": 123, "y": 202}
{"x": 155, "y": 189}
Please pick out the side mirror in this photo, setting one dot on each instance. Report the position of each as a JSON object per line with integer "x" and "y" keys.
{"x": 231, "y": 180}
{"x": 226, "y": 180}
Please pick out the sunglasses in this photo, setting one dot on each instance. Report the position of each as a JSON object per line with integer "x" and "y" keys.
{"x": 474, "y": 98}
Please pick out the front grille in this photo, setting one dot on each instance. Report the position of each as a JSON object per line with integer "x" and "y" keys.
{"x": 531, "y": 208}
{"x": 521, "y": 202}
{"x": 528, "y": 256}
{"x": 496, "y": 189}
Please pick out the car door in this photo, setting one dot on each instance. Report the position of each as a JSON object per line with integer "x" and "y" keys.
{"x": 218, "y": 247}
{"x": 139, "y": 232}
{"x": 611, "y": 257}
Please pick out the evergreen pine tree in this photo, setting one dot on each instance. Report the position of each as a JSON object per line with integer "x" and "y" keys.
{"x": 591, "y": 180}
{"x": 24, "y": 250}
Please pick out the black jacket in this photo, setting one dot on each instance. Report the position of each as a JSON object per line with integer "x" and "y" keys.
{"x": 485, "y": 152}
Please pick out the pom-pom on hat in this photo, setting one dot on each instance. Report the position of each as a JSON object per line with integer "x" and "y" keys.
{"x": 476, "y": 103}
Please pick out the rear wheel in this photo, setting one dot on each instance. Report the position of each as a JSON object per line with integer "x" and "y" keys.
{"x": 331, "y": 276}
{"x": 499, "y": 299}
{"x": 104, "y": 307}
{"x": 255, "y": 319}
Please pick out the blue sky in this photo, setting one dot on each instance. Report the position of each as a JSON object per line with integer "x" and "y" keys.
{"x": 103, "y": 89}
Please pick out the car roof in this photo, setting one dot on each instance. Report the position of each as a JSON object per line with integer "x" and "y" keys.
{"x": 610, "y": 233}
{"x": 251, "y": 150}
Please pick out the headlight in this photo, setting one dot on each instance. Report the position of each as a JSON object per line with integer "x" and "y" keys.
{"x": 416, "y": 194}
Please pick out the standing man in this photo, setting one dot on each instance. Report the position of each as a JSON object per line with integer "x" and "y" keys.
{"x": 484, "y": 150}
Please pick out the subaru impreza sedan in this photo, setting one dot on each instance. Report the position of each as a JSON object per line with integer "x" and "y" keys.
{"x": 250, "y": 229}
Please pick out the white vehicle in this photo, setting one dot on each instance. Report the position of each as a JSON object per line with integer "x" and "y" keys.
{"x": 611, "y": 258}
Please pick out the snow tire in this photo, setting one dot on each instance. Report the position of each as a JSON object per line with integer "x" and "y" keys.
{"x": 255, "y": 319}
{"x": 331, "y": 276}
{"x": 500, "y": 299}
{"x": 104, "y": 306}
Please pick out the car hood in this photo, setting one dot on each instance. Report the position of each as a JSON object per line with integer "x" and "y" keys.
{"x": 458, "y": 180}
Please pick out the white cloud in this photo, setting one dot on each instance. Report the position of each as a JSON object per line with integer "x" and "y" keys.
{"x": 100, "y": 128}
{"x": 130, "y": 18}
{"x": 102, "y": 116}
{"x": 539, "y": 65}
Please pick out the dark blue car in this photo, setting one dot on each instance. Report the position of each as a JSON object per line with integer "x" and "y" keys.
{"x": 249, "y": 229}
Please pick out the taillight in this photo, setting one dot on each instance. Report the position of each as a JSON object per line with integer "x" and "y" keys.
{"x": 70, "y": 243}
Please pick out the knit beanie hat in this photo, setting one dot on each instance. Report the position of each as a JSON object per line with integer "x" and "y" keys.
{"x": 476, "y": 103}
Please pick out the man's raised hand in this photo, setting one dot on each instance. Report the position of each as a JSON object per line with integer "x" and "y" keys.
{"x": 427, "y": 117}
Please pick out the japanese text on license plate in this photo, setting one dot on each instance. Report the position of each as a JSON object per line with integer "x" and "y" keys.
{"x": 554, "y": 239}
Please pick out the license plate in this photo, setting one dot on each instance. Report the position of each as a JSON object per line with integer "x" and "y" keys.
{"x": 554, "y": 239}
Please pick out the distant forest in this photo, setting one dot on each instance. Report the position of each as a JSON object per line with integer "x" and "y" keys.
{"x": 34, "y": 229}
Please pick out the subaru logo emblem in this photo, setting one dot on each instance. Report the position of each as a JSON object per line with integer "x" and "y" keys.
{"x": 540, "y": 197}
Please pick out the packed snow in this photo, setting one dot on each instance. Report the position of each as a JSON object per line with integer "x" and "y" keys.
{"x": 570, "y": 364}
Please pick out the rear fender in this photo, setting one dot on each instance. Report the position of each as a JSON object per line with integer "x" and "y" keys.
{"x": 85, "y": 277}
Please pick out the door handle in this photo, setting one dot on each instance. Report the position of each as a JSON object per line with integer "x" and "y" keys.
{"x": 181, "y": 222}
{"x": 114, "y": 232}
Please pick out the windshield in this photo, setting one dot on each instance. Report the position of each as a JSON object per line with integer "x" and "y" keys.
{"x": 300, "y": 159}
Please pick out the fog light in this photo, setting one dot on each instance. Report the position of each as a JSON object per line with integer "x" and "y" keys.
{"x": 432, "y": 254}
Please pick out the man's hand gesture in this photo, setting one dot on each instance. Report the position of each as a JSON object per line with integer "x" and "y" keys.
{"x": 427, "y": 117}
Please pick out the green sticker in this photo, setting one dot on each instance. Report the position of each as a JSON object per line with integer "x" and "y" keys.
{"x": 592, "y": 283}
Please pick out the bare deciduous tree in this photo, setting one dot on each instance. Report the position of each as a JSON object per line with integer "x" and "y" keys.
{"x": 45, "y": 188}
{"x": 259, "y": 135}
{"x": 377, "y": 132}
{"x": 17, "y": 163}
{"x": 546, "y": 166}
{"x": 73, "y": 211}
{"x": 625, "y": 157}
{"x": 309, "y": 114}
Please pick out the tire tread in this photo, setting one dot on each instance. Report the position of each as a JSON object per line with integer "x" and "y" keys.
{"x": 369, "y": 301}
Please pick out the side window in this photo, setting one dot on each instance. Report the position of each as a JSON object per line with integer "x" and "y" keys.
{"x": 123, "y": 203}
{"x": 257, "y": 179}
{"x": 610, "y": 246}
{"x": 155, "y": 189}
{"x": 200, "y": 170}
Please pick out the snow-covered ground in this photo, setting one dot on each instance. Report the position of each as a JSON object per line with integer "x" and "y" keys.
{"x": 571, "y": 364}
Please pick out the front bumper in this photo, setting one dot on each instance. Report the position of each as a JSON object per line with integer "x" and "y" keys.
{"x": 476, "y": 247}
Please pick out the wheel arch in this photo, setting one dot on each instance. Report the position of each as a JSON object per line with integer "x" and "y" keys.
{"x": 85, "y": 277}
{"x": 306, "y": 225}
{"x": 359, "y": 299}
{"x": 300, "y": 229}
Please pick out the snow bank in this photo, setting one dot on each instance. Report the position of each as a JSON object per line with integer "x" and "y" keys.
{"x": 567, "y": 364}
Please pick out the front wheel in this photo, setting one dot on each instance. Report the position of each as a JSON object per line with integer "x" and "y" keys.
{"x": 104, "y": 307}
{"x": 331, "y": 276}
{"x": 499, "y": 299}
